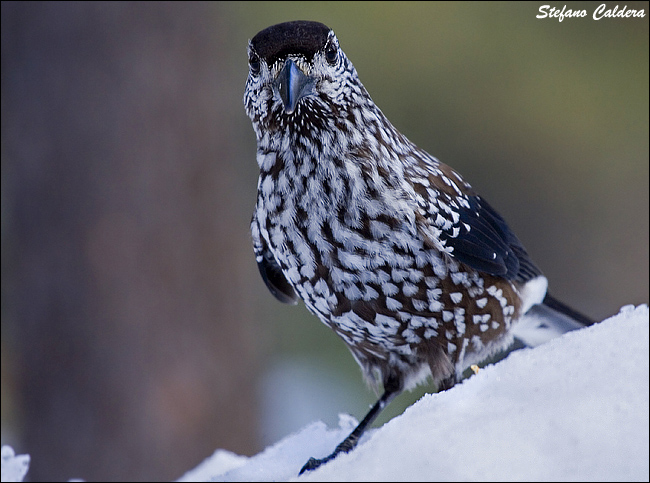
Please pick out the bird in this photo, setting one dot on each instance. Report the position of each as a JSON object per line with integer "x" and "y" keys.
{"x": 389, "y": 247}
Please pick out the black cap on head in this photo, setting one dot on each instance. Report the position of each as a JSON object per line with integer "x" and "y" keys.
{"x": 298, "y": 37}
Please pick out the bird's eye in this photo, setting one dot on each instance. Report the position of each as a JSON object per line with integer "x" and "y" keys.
{"x": 254, "y": 64}
{"x": 330, "y": 54}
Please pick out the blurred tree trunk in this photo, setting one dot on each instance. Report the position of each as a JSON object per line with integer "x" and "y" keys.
{"x": 127, "y": 237}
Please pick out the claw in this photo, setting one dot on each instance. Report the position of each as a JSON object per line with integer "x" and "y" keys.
{"x": 312, "y": 464}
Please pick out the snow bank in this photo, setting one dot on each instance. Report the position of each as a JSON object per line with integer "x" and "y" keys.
{"x": 575, "y": 408}
{"x": 14, "y": 467}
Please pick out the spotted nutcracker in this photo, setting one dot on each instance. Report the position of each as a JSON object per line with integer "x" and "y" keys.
{"x": 389, "y": 247}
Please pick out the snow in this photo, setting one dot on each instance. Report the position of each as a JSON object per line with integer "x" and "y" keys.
{"x": 575, "y": 408}
{"x": 14, "y": 467}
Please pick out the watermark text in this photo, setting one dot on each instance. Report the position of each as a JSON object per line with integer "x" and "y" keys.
{"x": 600, "y": 12}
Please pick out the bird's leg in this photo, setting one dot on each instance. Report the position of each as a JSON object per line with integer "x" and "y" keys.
{"x": 351, "y": 441}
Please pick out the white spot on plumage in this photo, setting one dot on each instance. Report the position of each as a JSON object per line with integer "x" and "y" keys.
{"x": 389, "y": 289}
{"x": 460, "y": 327}
{"x": 419, "y": 305}
{"x": 410, "y": 336}
{"x": 480, "y": 319}
{"x": 392, "y": 304}
{"x": 456, "y": 297}
{"x": 459, "y": 278}
{"x": 409, "y": 289}
{"x": 435, "y": 306}
{"x": 430, "y": 333}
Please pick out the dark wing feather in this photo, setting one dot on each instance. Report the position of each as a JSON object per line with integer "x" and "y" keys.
{"x": 276, "y": 281}
{"x": 269, "y": 269}
{"x": 485, "y": 242}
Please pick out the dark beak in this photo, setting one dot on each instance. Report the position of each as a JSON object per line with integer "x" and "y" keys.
{"x": 292, "y": 85}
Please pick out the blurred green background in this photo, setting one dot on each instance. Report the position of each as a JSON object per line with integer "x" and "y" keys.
{"x": 137, "y": 335}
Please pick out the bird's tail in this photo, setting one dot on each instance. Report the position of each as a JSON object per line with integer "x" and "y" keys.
{"x": 548, "y": 320}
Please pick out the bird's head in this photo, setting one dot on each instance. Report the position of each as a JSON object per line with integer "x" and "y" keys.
{"x": 298, "y": 77}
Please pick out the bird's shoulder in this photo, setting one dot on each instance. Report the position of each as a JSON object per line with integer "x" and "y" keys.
{"x": 450, "y": 213}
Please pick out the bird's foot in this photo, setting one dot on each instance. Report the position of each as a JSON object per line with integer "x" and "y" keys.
{"x": 314, "y": 463}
